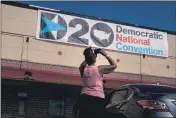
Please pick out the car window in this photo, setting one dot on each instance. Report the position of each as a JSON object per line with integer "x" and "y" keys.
{"x": 129, "y": 92}
{"x": 123, "y": 93}
{"x": 118, "y": 96}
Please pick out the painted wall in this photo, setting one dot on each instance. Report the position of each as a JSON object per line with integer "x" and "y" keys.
{"x": 20, "y": 23}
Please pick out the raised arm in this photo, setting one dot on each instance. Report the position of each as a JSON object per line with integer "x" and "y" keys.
{"x": 105, "y": 69}
{"x": 82, "y": 66}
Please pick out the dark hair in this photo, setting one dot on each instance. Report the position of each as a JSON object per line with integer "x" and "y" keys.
{"x": 90, "y": 56}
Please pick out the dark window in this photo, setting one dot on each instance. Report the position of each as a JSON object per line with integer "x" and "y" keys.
{"x": 22, "y": 98}
{"x": 21, "y": 107}
{"x": 129, "y": 92}
{"x": 56, "y": 107}
{"x": 118, "y": 96}
{"x": 123, "y": 93}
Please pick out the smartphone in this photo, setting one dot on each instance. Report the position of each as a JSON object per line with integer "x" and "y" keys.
{"x": 96, "y": 51}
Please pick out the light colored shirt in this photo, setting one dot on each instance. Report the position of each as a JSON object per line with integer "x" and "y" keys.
{"x": 92, "y": 82}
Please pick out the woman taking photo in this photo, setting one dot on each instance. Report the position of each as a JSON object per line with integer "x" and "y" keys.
{"x": 91, "y": 102}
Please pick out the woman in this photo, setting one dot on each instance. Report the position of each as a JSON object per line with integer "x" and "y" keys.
{"x": 91, "y": 101}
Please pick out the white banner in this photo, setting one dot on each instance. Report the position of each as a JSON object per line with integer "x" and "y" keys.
{"x": 83, "y": 31}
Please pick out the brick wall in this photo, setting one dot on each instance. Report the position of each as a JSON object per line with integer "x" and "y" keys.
{"x": 36, "y": 105}
{"x": 9, "y": 101}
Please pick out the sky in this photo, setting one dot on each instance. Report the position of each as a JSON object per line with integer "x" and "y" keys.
{"x": 161, "y": 15}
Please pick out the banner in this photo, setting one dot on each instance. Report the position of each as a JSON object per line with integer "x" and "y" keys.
{"x": 99, "y": 34}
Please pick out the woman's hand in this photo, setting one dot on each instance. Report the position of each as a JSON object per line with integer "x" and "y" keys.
{"x": 102, "y": 51}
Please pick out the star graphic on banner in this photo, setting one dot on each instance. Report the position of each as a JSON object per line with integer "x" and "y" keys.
{"x": 52, "y": 26}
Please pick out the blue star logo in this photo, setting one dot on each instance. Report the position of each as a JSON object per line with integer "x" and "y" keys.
{"x": 51, "y": 26}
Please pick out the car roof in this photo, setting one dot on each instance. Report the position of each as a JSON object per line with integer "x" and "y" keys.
{"x": 140, "y": 87}
{"x": 141, "y": 84}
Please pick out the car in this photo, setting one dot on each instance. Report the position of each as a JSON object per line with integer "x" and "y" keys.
{"x": 141, "y": 101}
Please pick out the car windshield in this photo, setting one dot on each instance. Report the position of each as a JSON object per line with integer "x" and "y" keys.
{"x": 156, "y": 89}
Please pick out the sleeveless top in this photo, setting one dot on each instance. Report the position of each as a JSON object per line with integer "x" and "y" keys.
{"x": 92, "y": 82}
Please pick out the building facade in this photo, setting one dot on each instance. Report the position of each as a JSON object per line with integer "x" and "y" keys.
{"x": 40, "y": 79}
